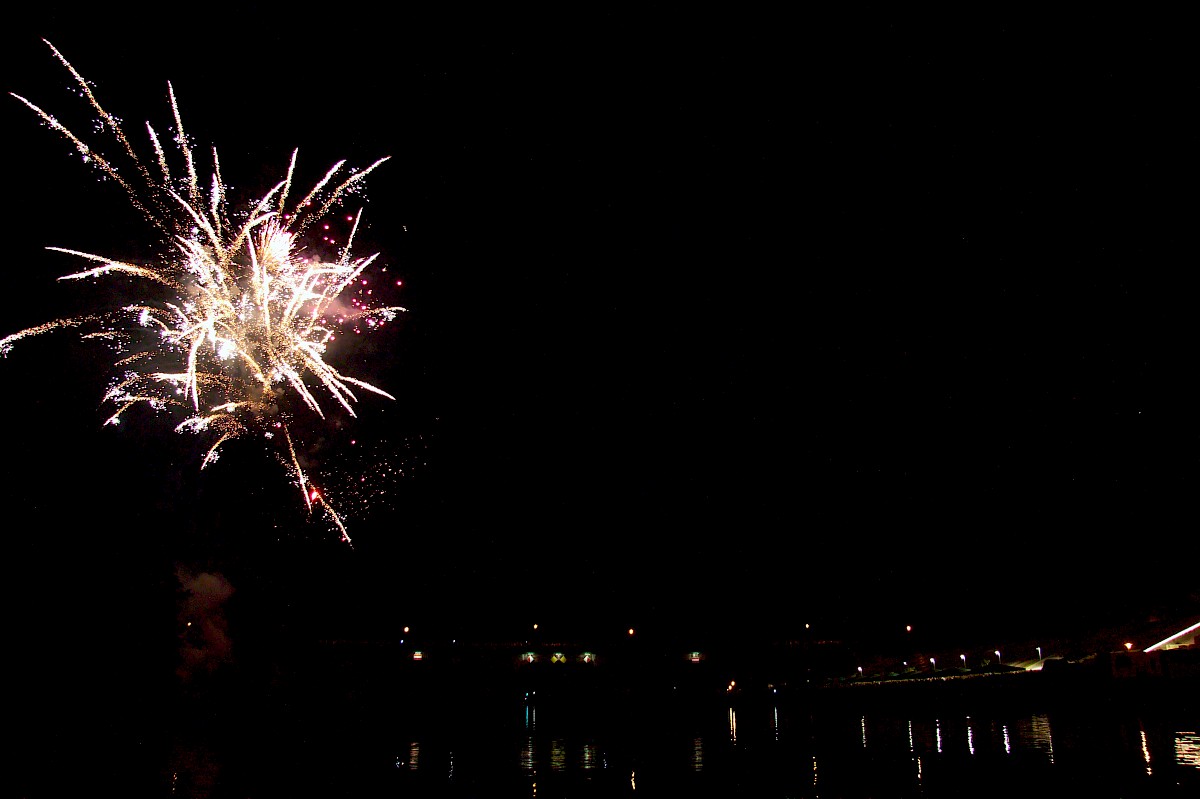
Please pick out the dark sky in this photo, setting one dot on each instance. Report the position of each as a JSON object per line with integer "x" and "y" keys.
{"x": 713, "y": 320}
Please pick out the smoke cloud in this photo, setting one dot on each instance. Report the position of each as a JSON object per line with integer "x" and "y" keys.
{"x": 204, "y": 638}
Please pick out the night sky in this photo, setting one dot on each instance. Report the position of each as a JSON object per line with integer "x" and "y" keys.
{"x": 720, "y": 322}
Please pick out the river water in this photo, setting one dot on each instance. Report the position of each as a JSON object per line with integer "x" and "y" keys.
{"x": 338, "y": 738}
{"x": 528, "y": 746}
{"x": 771, "y": 750}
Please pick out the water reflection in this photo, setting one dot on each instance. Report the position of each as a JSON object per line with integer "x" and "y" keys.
{"x": 1145, "y": 747}
{"x": 413, "y": 760}
{"x": 553, "y": 749}
{"x": 1034, "y": 732}
{"x": 1187, "y": 749}
{"x": 590, "y": 758}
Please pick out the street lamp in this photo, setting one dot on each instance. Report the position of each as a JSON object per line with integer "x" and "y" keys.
{"x": 998, "y": 657}
{"x": 933, "y": 662}
{"x": 963, "y": 658}
{"x": 860, "y": 672}
{"x": 1039, "y": 649}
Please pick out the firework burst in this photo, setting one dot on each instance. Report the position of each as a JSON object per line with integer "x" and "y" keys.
{"x": 234, "y": 319}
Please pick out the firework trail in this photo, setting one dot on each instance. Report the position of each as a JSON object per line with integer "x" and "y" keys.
{"x": 234, "y": 319}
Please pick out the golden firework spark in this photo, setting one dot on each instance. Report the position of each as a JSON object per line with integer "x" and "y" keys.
{"x": 234, "y": 316}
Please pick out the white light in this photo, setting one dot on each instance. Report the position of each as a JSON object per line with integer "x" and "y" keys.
{"x": 1177, "y": 635}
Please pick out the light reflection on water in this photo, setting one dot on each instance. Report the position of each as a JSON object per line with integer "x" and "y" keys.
{"x": 633, "y": 748}
{"x": 782, "y": 751}
{"x": 1187, "y": 748}
{"x": 1035, "y": 732}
